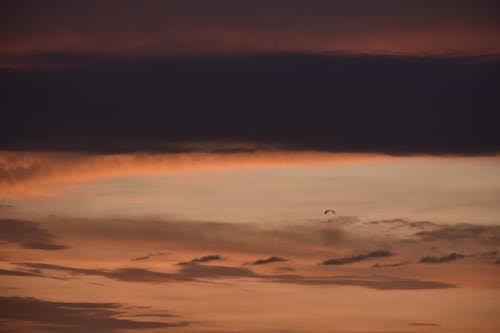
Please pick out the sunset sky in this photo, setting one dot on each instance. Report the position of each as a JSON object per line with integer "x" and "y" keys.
{"x": 165, "y": 166}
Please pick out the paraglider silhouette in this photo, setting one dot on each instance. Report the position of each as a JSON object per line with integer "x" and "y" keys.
{"x": 329, "y": 211}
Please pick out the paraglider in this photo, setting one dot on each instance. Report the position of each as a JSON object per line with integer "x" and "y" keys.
{"x": 329, "y": 211}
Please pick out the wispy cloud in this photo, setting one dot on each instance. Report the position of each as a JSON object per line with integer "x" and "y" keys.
{"x": 486, "y": 234}
{"x": 423, "y": 324}
{"x": 373, "y": 282}
{"x": 201, "y": 273}
{"x": 361, "y": 257}
{"x": 148, "y": 256}
{"x": 201, "y": 259}
{"x": 269, "y": 260}
{"x": 27, "y": 234}
{"x": 128, "y": 274}
{"x": 438, "y": 260}
{"x": 397, "y": 264}
{"x": 72, "y": 317}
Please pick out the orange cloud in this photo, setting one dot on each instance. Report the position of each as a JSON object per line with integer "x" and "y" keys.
{"x": 25, "y": 174}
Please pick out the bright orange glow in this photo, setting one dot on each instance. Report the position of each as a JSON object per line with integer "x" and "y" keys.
{"x": 26, "y": 174}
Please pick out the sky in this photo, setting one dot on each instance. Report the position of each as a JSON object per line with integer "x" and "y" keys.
{"x": 166, "y": 166}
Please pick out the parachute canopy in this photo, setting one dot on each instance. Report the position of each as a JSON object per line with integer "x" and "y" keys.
{"x": 329, "y": 210}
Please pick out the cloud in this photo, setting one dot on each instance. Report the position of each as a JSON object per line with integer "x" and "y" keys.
{"x": 423, "y": 324}
{"x": 269, "y": 260}
{"x": 148, "y": 256}
{"x": 30, "y": 173}
{"x": 201, "y": 260}
{"x": 27, "y": 234}
{"x": 400, "y": 223}
{"x": 485, "y": 234}
{"x": 397, "y": 264}
{"x": 119, "y": 274}
{"x": 214, "y": 237}
{"x": 438, "y": 260}
{"x": 20, "y": 273}
{"x": 71, "y": 317}
{"x": 180, "y": 27}
{"x": 305, "y": 93}
{"x": 215, "y": 272}
{"x": 200, "y": 273}
{"x": 191, "y": 272}
{"x": 361, "y": 257}
{"x": 373, "y": 282}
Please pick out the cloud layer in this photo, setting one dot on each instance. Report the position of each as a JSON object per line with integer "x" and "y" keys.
{"x": 394, "y": 105}
{"x": 66, "y": 316}
{"x": 224, "y": 26}
{"x": 27, "y": 234}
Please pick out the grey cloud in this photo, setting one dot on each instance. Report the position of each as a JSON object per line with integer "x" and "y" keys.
{"x": 438, "y": 260}
{"x": 75, "y": 317}
{"x": 202, "y": 259}
{"x": 361, "y": 257}
{"x": 269, "y": 260}
{"x": 27, "y": 234}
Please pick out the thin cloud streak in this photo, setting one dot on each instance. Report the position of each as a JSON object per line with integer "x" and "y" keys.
{"x": 269, "y": 260}
{"x": 354, "y": 259}
{"x": 439, "y": 260}
{"x": 201, "y": 273}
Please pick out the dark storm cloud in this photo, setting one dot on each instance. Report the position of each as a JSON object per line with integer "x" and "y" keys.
{"x": 201, "y": 259}
{"x": 484, "y": 234}
{"x": 438, "y": 260}
{"x": 388, "y": 104}
{"x": 361, "y": 257}
{"x": 71, "y": 317}
{"x": 27, "y": 234}
{"x": 269, "y": 260}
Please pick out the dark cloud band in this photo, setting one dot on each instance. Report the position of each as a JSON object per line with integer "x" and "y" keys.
{"x": 389, "y": 104}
